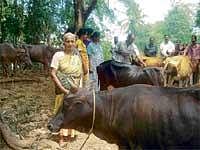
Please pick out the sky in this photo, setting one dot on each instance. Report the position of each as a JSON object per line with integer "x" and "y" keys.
{"x": 154, "y": 10}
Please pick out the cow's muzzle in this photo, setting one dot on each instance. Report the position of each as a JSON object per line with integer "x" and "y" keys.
{"x": 50, "y": 127}
{"x": 53, "y": 128}
{"x": 55, "y": 124}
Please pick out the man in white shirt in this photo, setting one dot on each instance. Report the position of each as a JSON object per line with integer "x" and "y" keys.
{"x": 167, "y": 48}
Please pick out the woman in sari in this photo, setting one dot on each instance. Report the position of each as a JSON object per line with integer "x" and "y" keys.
{"x": 66, "y": 73}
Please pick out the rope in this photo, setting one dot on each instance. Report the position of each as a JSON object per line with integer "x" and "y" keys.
{"x": 93, "y": 119}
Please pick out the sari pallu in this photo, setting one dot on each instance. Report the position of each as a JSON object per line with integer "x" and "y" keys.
{"x": 69, "y": 72}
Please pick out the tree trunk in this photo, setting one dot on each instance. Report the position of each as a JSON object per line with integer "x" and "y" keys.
{"x": 82, "y": 13}
{"x": 79, "y": 22}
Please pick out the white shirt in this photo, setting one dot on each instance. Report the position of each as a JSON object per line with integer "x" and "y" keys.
{"x": 56, "y": 58}
{"x": 167, "y": 48}
{"x": 60, "y": 55}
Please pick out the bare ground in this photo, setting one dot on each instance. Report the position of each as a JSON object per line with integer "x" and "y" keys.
{"x": 26, "y": 103}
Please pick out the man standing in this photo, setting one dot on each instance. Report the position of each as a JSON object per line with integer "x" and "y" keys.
{"x": 82, "y": 36}
{"x": 89, "y": 32}
{"x": 128, "y": 51}
{"x": 193, "y": 52}
{"x": 114, "y": 48}
{"x": 150, "y": 49}
{"x": 95, "y": 53}
{"x": 167, "y": 48}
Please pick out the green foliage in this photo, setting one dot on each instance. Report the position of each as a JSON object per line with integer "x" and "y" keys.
{"x": 134, "y": 15}
{"x": 101, "y": 12}
{"x": 40, "y": 21}
{"x": 198, "y": 17}
{"x": 157, "y": 30}
{"x": 66, "y": 12}
{"x": 32, "y": 21}
{"x": 106, "y": 45}
{"x": 11, "y": 21}
{"x": 136, "y": 24}
{"x": 178, "y": 23}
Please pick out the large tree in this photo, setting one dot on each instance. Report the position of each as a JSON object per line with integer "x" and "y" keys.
{"x": 135, "y": 22}
{"x": 11, "y": 21}
{"x": 178, "y": 23}
{"x": 3, "y": 7}
{"x": 40, "y": 20}
{"x": 82, "y": 10}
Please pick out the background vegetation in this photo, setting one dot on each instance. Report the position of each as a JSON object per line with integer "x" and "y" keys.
{"x": 36, "y": 21}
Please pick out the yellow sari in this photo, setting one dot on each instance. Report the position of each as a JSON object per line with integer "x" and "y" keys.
{"x": 69, "y": 73}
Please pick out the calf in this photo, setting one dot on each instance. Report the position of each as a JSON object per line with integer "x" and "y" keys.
{"x": 142, "y": 116}
{"x": 177, "y": 68}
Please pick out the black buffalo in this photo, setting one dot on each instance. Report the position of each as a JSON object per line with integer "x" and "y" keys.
{"x": 41, "y": 53}
{"x": 137, "y": 116}
{"x": 120, "y": 74}
{"x": 12, "y": 55}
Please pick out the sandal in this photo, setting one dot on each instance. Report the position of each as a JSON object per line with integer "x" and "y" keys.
{"x": 62, "y": 143}
{"x": 72, "y": 139}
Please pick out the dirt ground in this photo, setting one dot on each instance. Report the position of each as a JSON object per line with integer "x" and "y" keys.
{"x": 26, "y": 104}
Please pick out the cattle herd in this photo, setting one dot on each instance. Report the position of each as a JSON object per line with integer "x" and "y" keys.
{"x": 143, "y": 110}
{"x": 147, "y": 108}
{"x": 158, "y": 71}
{"x": 23, "y": 55}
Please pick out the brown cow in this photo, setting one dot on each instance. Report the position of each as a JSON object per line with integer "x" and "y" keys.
{"x": 138, "y": 116}
{"x": 177, "y": 68}
{"x": 152, "y": 61}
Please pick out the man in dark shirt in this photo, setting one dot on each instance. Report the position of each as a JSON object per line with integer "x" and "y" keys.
{"x": 150, "y": 49}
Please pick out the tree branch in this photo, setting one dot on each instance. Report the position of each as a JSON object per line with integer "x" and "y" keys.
{"x": 90, "y": 8}
{"x": 11, "y": 139}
